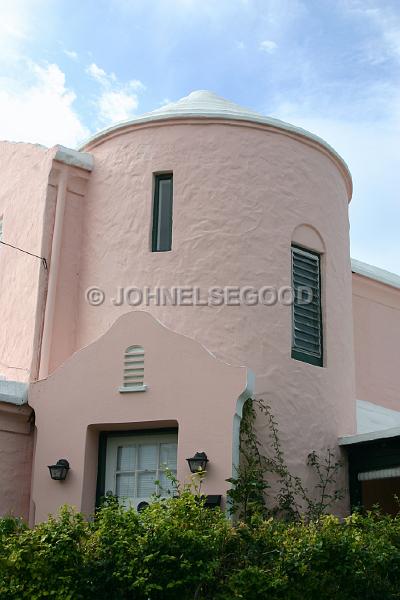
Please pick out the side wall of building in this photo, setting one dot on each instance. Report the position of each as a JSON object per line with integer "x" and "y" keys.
{"x": 16, "y": 446}
{"x": 24, "y": 173}
{"x": 376, "y": 314}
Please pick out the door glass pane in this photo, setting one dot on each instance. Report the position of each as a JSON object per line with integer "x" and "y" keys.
{"x": 148, "y": 454}
{"x": 166, "y": 486}
{"x": 126, "y": 456}
{"x": 146, "y": 485}
{"x": 125, "y": 485}
{"x": 168, "y": 455}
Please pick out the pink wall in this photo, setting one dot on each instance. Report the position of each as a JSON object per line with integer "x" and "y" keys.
{"x": 30, "y": 176}
{"x": 186, "y": 385}
{"x": 24, "y": 185}
{"x": 64, "y": 331}
{"x": 16, "y": 441}
{"x": 376, "y": 311}
{"x": 240, "y": 191}
{"x": 30, "y": 179}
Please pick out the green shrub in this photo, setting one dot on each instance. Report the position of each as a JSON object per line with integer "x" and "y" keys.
{"x": 327, "y": 560}
{"x": 167, "y": 551}
{"x": 179, "y": 549}
{"x": 46, "y": 561}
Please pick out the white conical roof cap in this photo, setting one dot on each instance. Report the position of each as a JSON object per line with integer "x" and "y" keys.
{"x": 203, "y": 104}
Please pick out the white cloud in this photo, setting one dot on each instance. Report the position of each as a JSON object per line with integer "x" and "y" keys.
{"x": 389, "y": 27}
{"x": 136, "y": 84}
{"x": 387, "y": 24}
{"x": 40, "y": 109}
{"x": 117, "y": 101}
{"x": 268, "y": 46}
{"x": 116, "y": 106}
{"x": 15, "y": 19}
{"x": 99, "y": 74}
{"x": 71, "y": 54}
{"x": 36, "y": 105}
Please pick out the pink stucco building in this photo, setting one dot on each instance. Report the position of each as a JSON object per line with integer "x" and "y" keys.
{"x": 146, "y": 293}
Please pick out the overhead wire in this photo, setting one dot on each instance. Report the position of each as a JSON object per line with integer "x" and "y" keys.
{"x": 44, "y": 261}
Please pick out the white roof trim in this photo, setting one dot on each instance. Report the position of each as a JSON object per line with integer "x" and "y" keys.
{"x": 74, "y": 158}
{"x": 347, "y": 440}
{"x": 13, "y": 392}
{"x": 375, "y": 273}
{"x": 206, "y": 104}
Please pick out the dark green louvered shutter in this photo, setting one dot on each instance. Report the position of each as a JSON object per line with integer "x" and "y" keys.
{"x": 307, "y": 325}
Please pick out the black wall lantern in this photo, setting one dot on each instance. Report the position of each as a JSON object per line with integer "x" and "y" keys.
{"x": 59, "y": 470}
{"x": 198, "y": 462}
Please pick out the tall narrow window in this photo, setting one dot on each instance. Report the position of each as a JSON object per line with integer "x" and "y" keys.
{"x": 306, "y": 315}
{"x": 162, "y": 213}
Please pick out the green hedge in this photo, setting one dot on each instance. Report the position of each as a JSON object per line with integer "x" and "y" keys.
{"x": 177, "y": 549}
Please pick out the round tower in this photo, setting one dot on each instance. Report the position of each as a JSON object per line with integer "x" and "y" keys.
{"x": 247, "y": 189}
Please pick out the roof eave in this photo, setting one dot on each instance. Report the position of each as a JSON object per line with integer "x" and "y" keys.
{"x": 281, "y": 126}
{"x": 371, "y": 436}
{"x": 375, "y": 273}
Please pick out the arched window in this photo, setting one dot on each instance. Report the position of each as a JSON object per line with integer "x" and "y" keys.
{"x": 133, "y": 380}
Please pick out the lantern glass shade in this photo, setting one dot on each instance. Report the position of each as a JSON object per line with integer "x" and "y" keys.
{"x": 198, "y": 462}
{"x": 59, "y": 470}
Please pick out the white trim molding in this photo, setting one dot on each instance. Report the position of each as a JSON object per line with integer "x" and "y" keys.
{"x": 13, "y": 392}
{"x": 371, "y": 436}
{"x": 366, "y": 270}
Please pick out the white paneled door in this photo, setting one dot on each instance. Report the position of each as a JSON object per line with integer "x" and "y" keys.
{"x": 135, "y": 463}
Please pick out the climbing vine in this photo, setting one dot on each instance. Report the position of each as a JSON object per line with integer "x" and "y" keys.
{"x": 264, "y": 485}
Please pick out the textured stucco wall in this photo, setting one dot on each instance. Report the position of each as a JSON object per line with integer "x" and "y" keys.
{"x": 24, "y": 171}
{"x": 30, "y": 178}
{"x": 186, "y": 386}
{"x": 376, "y": 310}
{"x": 239, "y": 194}
{"x": 63, "y": 342}
{"x": 16, "y": 443}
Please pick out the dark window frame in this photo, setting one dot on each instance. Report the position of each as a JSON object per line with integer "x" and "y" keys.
{"x": 297, "y": 353}
{"x": 155, "y": 241}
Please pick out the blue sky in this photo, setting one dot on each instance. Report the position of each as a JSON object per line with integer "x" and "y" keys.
{"x": 69, "y": 68}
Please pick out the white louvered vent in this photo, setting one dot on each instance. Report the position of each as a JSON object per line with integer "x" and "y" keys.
{"x": 133, "y": 370}
{"x": 307, "y": 325}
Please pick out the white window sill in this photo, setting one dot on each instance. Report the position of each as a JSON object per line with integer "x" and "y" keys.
{"x": 133, "y": 388}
